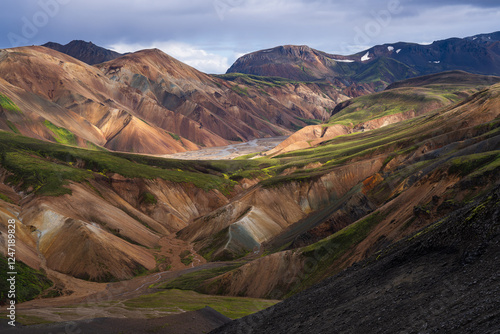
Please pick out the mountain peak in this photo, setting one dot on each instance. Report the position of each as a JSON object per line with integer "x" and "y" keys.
{"x": 87, "y": 52}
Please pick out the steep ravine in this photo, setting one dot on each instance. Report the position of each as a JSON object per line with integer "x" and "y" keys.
{"x": 262, "y": 213}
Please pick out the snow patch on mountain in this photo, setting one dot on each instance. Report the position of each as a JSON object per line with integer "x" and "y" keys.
{"x": 344, "y": 60}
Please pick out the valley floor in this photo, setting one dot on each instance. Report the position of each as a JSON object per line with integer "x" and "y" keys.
{"x": 131, "y": 301}
{"x": 230, "y": 151}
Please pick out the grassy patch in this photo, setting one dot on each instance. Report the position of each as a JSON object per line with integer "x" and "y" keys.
{"x": 239, "y": 90}
{"x": 176, "y": 300}
{"x": 7, "y": 104}
{"x": 46, "y": 178}
{"x": 47, "y": 167}
{"x": 194, "y": 280}
{"x": 29, "y": 282}
{"x": 309, "y": 121}
{"x": 148, "y": 198}
{"x": 162, "y": 264}
{"x": 256, "y": 80}
{"x": 386, "y": 103}
{"x": 94, "y": 147}
{"x": 186, "y": 258}
{"x": 325, "y": 252}
{"x": 61, "y": 135}
{"x": 216, "y": 242}
{"x": 474, "y": 163}
{"x": 6, "y": 199}
{"x": 175, "y": 136}
{"x": 12, "y": 126}
{"x": 247, "y": 156}
{"x": 346, "y": 237}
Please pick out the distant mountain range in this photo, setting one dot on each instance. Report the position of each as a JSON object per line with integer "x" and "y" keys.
{"x": 379, "y": 65}
{"x": 149, "y": 102}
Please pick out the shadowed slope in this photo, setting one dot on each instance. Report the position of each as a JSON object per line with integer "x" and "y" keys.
{"x": 443, "y": 279}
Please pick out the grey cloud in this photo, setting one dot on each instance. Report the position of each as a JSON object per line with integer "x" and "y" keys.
{"x": 228, "y": 27}
{"x": 474, "y": 3}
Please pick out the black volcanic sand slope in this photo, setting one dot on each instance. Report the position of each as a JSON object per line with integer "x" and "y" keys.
{"x": 194, "y": 322}
{"x": 443, "y": 279}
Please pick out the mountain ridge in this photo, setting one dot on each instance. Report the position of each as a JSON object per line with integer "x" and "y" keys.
{"x": 478, "y": 54}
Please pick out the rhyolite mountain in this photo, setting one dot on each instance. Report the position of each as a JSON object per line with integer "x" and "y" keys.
{"x": 149, "y": 102}
{"x": 235, "y": 108}
{"x": 379, "y": 65}
{"x": 87, "y": 52}
{"x": 61, "y": 99}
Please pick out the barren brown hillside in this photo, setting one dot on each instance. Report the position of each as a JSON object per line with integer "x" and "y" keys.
{"x": 149, "y": 102}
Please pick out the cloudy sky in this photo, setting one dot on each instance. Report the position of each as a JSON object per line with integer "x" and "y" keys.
{"x": 211, "y": 34}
